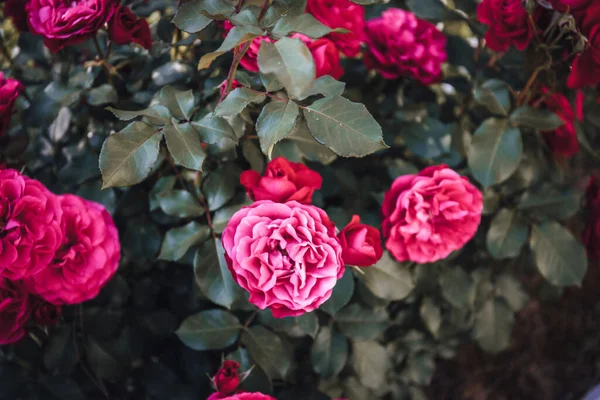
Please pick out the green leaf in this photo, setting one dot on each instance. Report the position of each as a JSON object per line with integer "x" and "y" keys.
{"x": 548, "y": 202}
{"x": 431, "y": 315}
{"x": 342, "y": 293}
{"x": 493, "y": 325}
{"x": 507, "y": 234}
{"x": 180, "y": 203}
{"x": 428, "y": 9}
{"x": 220, "y": 9}
{"x": 457, "y": 287}
{"x": 219, "y": 186}
{"x": 236, "y": 36}
{"x": 178, "y": 240}
{"x": 213, "y": 276}
{"x": 127, "y": 157}
{"x": 329, "y": 352}
{"x": 361, "y": 323}
{"x": 268, "y": 351}
{"x": 494, "y": 94}
{"x": 184, "y": 145}
{"x": 164, "y": 184}
{"x": 103, "y": 94}
{"x": 536, "y": 118}
{"x": 300, "y": 146}
{"x": 281, "y": 8}
{"x": 212, "y": 129}
{"x": 511, "y": 290}
{"x": 420, "y": 368}
{"x": 257, "y": 381}
{"x": 156, "y": 114}
{"x": 325, "y": 85}
{"x": 237, "y": 100}
{"x": 189, "y": 18}
{"x": 388, "y": 279}
{"x": 345, "y": 127}
{"x": 496, "y": 151}
{"x": 426, "y": 138}
{"x": 304, "y": 23}
{"x": 181, "y": 104}
{"x": 209, "y": 330}
{"x": 222, "y": 216}
{"x": 290, "y": 61}
{"x": 275, "y": 122}
{"x": 560, "y": 258}
{"x": 371, "y": 362}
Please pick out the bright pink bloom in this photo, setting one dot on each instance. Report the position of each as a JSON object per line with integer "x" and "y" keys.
{"x": 15, "y": 310}
{"x": 361, "y": 243}
{"x": 509, "y": 24}
{"x": 9, "y": 91}
{"x": 241, "y": 396}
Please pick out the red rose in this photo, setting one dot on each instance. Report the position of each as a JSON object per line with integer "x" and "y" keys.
{"x": 15, "y": 10}
{"x": 592, "y": 232}
{"x": 431, "y": 214}
{"x": 509, "y": 24}
{"x": 327, "y": 58}
{"x": 15, "y": 309}
{"x": 361, "y": 244}
{"x": 88, "y": 258}
{"x": 585, "y": 70}
{"x": 30, "y": 218}
{"x": 44, "y": 313}
{"x": 227, "y": 378}
{"x": 241, "y": 396}
{"x": 63, "y": 23}
{"x": 563, "y": 140}
{"x": 124, "y": 27}
{"x": 341, "y": 14}
{"x": 400, "y": 44}
{"x": 9, "y": 91}
{"x": 282, "y": 181}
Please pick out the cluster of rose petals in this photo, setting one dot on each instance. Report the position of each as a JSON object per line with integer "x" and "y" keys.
{"x": 87, "y": 258}
{"x": 125, "y": 27}
{"x": 585, "y": 70}
{"x": 241, "y": 396}
{"x": 361, "y": 243}
{"x": 286, "y": 255}
{"x": 15, "y": 310}
{"x": 431, "y": 214}
{"x": 509, "y": 24}
{"x": 9, "y": 91}
{"x": 563, "y": 140}
{"x": 401, "y": 45}
{"x": 30, "y": 231}
{"x": 227, "y": 379}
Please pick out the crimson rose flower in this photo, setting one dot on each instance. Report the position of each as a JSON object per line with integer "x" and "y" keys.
{"x": 285, "y": 255}
{"x": 431, "y": 214}
{"x": 592, "y": 232}
{"x": 124, "y": 27}
{"x": 509, "y": 24}
{"x": 400, "y": 44}
{"x": 30, "y": 218}
{"x": 9, "y": 91}
{"x": 44, "y": 313}
{"x": 227, "y": 378}
{"x": 15, "y": 10}
{"x": 282, "y": 181}
{"x": 341, "y": 14}
{"x": 15, "y": 309}
{"x": 563, "y": 140}
{"x": 361, "y": 243}
{"x": 241, "y": 396}
{"x": 585, "y": 70}
{"x": 86, "y": 260}
{"x": 63, "y": 23}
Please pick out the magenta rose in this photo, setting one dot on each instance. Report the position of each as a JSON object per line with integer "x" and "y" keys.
{"x": 400, "y": 44}
{"x": 431, "y": 214}
{"x": 15, "y": 10}
{"x": 44, "y": 313}
{"x": 30, "y": 218}
{"x": 563, "y": 140}
{"x": 9, "y": 91}
{"x": 125, "y": 27}
{"x": 508, "y": 22}
{"x": 87, "y": 258}
{"x": 227, "y": 378}
{"x": 341, "y": 14}
{"x": 241, "y": 396}
{"x": 15, "y": 310}
{"x": 67, "y": 22}
{"x": 327, "y": 58}
{"x": 285, "y": 255}
{"x": 585, "y": 70}
{"x": 361, "y": 243}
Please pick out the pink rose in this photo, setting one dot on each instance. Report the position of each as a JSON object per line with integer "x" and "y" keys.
{"x": 285, "y": 255}
{"x": 361, "y": 243}
{"x": 9, "y": 91}
{"x": 509, "y": 24}
{"x": 327, "y": 58}
{"x": 15, "y": 310}
{"x": 30, "y": 218}
{"x": 341, "y": 14}
{"x": 241, "y": 396}
{"x": 400, "y": 44}
{"x": 282, "y": 181}
{"x": 125, "y": 27}
{"x": 44, "y": 313}
{"x": 66, "y": 22}
{"x": 431, "y": 214}
{"x": 227, "y": 378}
{"x": 88, "y": 258}
{"x": 563, "y": 140}
{"x": 585, "y": 70}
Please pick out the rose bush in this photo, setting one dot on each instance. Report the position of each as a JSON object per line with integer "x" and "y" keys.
{"x": 9, "y": 91}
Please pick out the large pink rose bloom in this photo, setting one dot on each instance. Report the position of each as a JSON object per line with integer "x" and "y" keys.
{"x": 30, "y": 218}
{"x": 341, "y": 14}
{"x": 431, "y": 214}
{"x": 66, "y": 22}
{"x": 400, "y": 44}
{"x": 87, "y": 259}
{"x": 241, "y": 396}
{"x": 285, "y": 255}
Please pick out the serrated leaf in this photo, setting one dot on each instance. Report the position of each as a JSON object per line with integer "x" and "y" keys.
{"x": 189, "y": 18}
{"x": 216, "y": 8}
{"x": 361, "y": 323}
{"x": 213, "y": 276}
{"x": 371, "y": 362}
{"x": 180, "y": 103}
{"x": 184, "y": 145}
{"x": 507, "y": 235}
{"x": 341, "y": 295}
{"x": 127, "y": 157}
{"x": 494, "y": 94}
{"x": 329, "y": 352}
{"x": 325, "y": 85}
{"x": 156, "y": 114}
{"x": 559, "y": 257}
{"x": 493, "y": 325}
{"x": 290, "y": 61}
{"x": 180, "y": 203}
{"x": 257, "y": 381}
{"x": 304, "y": 23}
{"x": 209, "y": 330}
{"x": 212, "y": 129}
{"x": 236, "y": 36}
{"x": 103, "y": 94}
{"x": 536, "y": 118}
{"x": 388, "y": 279}
{"x": 345, "y": 127}
{"x": 496, "y": 151}
{"x": 237, "y": 100}
{"x": 178, "y": 240}
{"x": 275, "y": 122}
{"x": 268, "y": 351}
